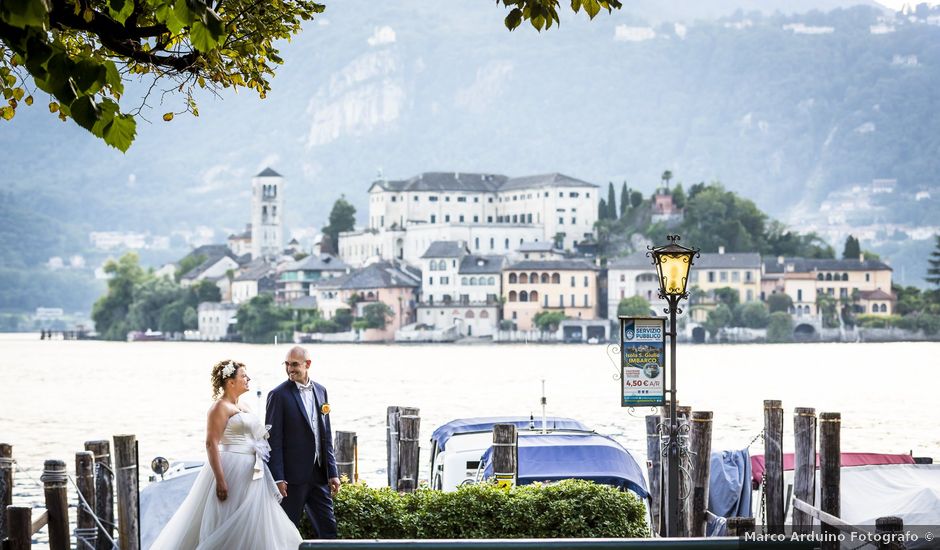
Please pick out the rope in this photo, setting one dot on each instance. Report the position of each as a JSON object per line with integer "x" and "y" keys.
{"x": 91, "y": 511}
{"x": 6, "y": 461}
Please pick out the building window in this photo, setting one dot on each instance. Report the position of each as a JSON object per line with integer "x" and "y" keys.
{"x": 433, "y": 198}
{"x": 446, "y": 218}
{"x": 561, "y": 221}
{"x": 476, "y": 199}
{"x": 868, "y": 277}
{"x": 544, "y": 279}
{"x": 491, "y": 281}
{"x": 506, "y": 244}
{"x": 461, "y": 199}
{"x": 393, "y": 198}
{"x": 585, "y": 281}
{"x": 556, "y": 279}
{"x": 512, "y": 295}
{"x": 523, "y": 279}
{"x": 463, "y": 280}
{"x": 528, "y": 218}
{"x": 845, "y": 276}
{"x": 513, "y": 279}
{"x": 490, "y": 200}
{"x": 572, "y": 281}
{"x": 545, "y": 300}
{"x": 491, "y": 243}
{"x": 574, "y": 221}
{"x": 514, "y": 316}
{"x": 750, "y": 295}
{"x": 461, "y": 218}
{"x": 561, "y": 300}
{"x": 431, "y": 279}
{"x": 476, "y": 219}
{"x": 723, "y": 276}
{"x": 445, "y": 280}
{"x": 523, "y": 296}
{"x": 416, "y": 198}
{"x": 446, "y": 199}
{"x": 476, "y": 243}
{"x": 799, "y": 294}
{"x": 711, "y": 276}
{"x": 572, "y": 301}
{"x": 489, "y": 219}
{"x": 573, "y": 194}
{"x": 585, "y": 300}
{"x": 735, "y": 276}
{"x": 433, "y": 218}
{"x": 748, "y": 276}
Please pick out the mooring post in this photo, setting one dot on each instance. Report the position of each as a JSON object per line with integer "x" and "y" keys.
{"x": 739, "y": 526}
{"x": 804, "y": 470}
{"x": 391, "y": 426}
{"x": 86, "y": 531}
{"x": 654, "y": 467}
{"x": 126, "y": 476}
{"x": 701, "y": 443}
{"x": 345, "y": 443}
{"x": 505, "y": 454}
{"x": 104, "y": 492}
{"x": 6, "y": 484}
{"x": 830, "y": 462}
{"x": 773, "y": 465}
{"x": 408, "y": 445}
{"x": 54, "y": 480}
{"x": 891, "y": 528}
{"x": 19, "y": 522}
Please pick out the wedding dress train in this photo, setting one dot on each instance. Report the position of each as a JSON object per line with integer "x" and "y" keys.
{"x": 251, "y": 517}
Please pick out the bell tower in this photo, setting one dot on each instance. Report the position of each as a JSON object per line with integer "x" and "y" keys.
{"x": 267, "y": 209}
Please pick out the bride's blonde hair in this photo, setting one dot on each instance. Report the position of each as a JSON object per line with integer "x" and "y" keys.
{"x": 218, "y": 377}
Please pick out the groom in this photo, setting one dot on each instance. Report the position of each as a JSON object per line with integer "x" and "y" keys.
{"x": 302, "y": 461}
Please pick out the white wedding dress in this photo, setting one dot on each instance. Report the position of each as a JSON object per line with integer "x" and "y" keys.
{"x": 251, "y": 517}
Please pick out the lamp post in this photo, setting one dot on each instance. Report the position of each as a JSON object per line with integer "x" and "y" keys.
{"x": 673, "y": 263}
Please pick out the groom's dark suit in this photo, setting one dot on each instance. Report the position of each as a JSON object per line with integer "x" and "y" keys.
{"x": 293, "y": 449}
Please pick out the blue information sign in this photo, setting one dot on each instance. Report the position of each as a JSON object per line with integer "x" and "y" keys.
{"x": 643, "y": 361}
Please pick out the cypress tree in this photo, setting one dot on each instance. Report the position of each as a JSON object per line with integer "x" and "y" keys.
{"x": 602, "y": 210}
{"x": 611, "y": 201}
{"x": 624, "y": 199}
{"x": 933, "y": 272}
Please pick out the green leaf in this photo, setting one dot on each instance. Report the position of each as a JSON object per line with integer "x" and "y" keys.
{"x": 113, "y": 77}
{"x": 120, "y": 10}
{"x": 25, "y": 13}
{"x": 591, "y": 7}
{"x": 167, "y": 117}
{"x": 514, "y": 18}
{"x": 120, "y": 132}
{"x": 576, "y": 5}
{"x": 201, "y": 37}
{"x": 183, "y": 14}
{"x": 89, "y": 76}
{"x": 7, "y": 113}
{"x": 85, "y": 112}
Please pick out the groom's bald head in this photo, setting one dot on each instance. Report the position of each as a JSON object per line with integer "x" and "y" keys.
{"x": 297, "y": 364}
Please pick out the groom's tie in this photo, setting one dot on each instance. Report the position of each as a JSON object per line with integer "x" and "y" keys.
{"x": 314, "y": 422}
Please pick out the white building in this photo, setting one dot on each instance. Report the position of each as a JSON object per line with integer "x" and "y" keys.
{"x": 215, "y": 320}
{"x": 491, "y": 213}
{"x": 257, "y": 277}
{"x": 460, "y": 289}
{"x": 267, "y": 207}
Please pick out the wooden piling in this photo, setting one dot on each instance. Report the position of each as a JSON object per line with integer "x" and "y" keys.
{"x": 684, "y": 413}
{"x": 701, "y": 444}
{"x": 738, "y": 526}
{"x": 505, "y": 454}
{"x": 830, "y": 462}
{"x": 126, "y": 477}
{"x": 773, "y": 466}
{"x": 409, "y": 424}
{"x": 345, "y": 444}
{"x": 804, "y": 468}
{"x": 19, "y": 522}
{"x": 891, "y": 528}
{"x": 6, "y": 484}
{"x": 654, "y": 466}
{"x": 391, "y": 431}
{"x": 104, "y": 492}
{"x": 54, "y": 481}
{"x": 85, "y": 531}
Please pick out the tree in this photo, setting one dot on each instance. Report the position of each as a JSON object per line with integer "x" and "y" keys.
{"x": 933, "y": 271}
{"x": 187, "y": 264}
{"x": 204, "y": 291}
{"x": 634, "y": 306}
{"x": 342, "y": 218}
{"x": 110, "y": 311}
{"x": 752, "y": 315}
{"x": 780, "y": 327}
{"x": 678, "y": 196}
{"x": 727, "y": 295}
{"x": 667, "y": 175}
{"x": 828, "y": 308}
{"x": 602, "y": 210}
{"x": 82, "y": 52}
{"x": 259, "y": 319}
{"x": 852, "y": 249}
{"x": 779, "y": 301}
{"x": 717, "y": 319}
{"x": 376, "y": 315}
{"x": 636, "y": 199}
{"x": 548, "y": 321}
{"x": 624, "y": 199}
{"x": 611, "y": 202}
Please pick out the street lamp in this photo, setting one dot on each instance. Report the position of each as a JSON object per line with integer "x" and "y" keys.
{"x": 673, "y": 263}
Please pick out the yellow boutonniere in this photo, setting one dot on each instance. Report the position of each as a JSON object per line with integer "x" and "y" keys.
{"x": 325, "y": 408}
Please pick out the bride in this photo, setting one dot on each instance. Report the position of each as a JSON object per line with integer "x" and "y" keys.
{"x": 234, "y": 502}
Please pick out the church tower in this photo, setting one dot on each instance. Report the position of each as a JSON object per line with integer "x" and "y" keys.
{"x": 267, "y": 209}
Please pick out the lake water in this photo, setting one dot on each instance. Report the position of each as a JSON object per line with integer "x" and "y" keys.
{"x": 55, "y": 395}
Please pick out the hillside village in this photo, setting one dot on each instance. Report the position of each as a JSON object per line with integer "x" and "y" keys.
{"x": 450, "y": 256}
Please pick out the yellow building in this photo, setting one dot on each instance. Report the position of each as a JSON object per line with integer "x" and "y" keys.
{"x": 864, "y": 283}
{"x": 739, "y": 271}
{"x": 532, "y": 286}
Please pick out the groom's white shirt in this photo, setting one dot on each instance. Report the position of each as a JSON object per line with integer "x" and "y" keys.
{"x": 306, "y": 395}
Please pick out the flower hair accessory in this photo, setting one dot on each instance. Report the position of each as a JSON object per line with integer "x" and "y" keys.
{"x": 325, "y": 408}
{"x": 229, "y": 369}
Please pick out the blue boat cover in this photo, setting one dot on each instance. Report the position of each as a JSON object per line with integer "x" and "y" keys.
{"x": 589, "y": 456}
{"x": 485, "y": 424}
{"x": 729, "y": 484}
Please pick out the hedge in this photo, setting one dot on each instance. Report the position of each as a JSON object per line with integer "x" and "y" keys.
{"x": 567, "y": 509}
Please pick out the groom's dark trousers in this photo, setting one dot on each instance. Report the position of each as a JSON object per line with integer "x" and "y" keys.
{"x": 293, "y": 449}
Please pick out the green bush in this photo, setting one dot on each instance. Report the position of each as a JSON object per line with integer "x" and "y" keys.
{"x": 878, "y": 321}
{"x": 780, "y": 327}
{"x": 567, "y": 509}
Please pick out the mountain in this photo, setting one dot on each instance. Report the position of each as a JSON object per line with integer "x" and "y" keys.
{"x": 782, "y": 107}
